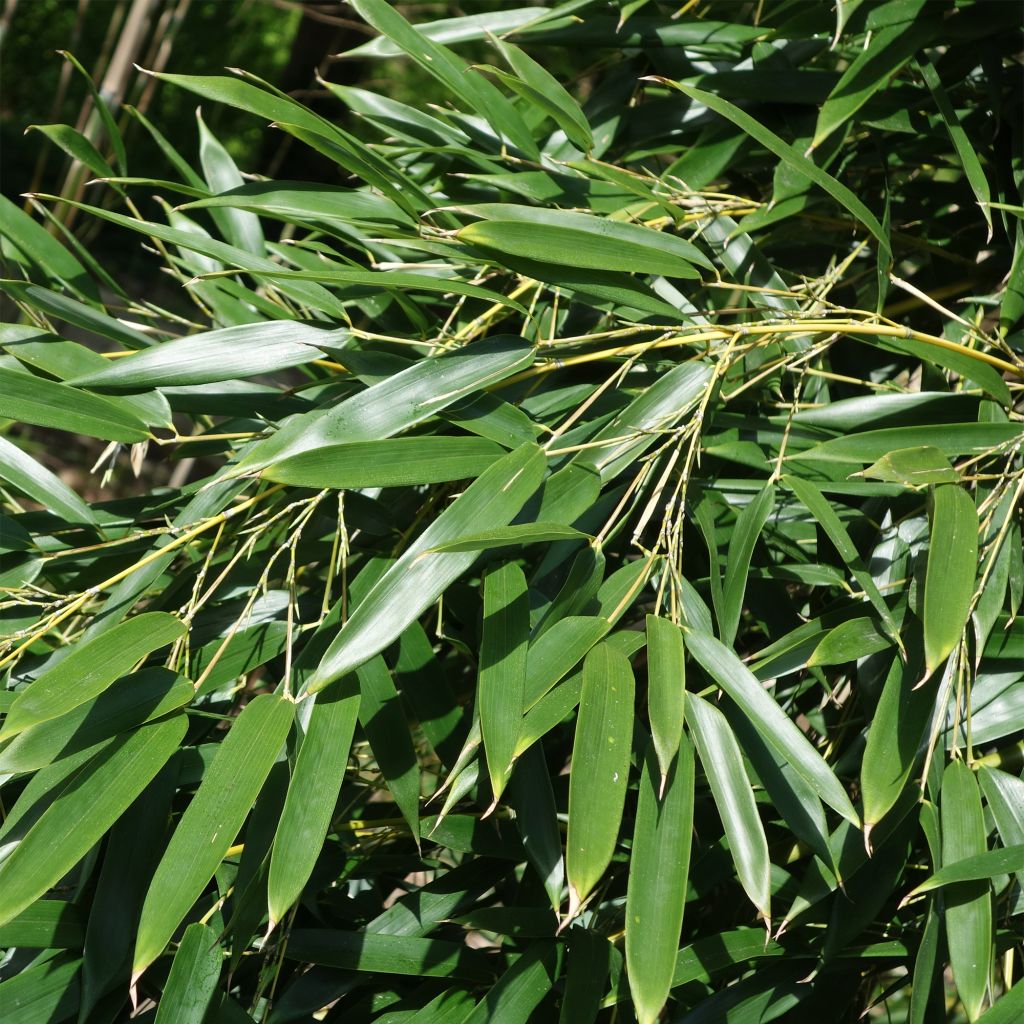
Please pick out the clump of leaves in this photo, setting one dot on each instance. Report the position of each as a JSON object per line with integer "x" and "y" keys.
{"x": 596, "y": 539}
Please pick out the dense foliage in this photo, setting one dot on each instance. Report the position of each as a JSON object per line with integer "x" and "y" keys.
{"x": 574, "y": 565}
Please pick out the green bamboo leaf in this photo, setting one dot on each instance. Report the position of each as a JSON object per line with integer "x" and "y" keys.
{"x": 774, "y": 726}
{"x": 35, "y": 243}
{"x": 389, "y": 954}
{"x": 83, "y": 811}
{"x": 968, "y": 904}
{"x": 450, "y": 70}
{"x": 849, "y": 641}
{"x": 521, "y": 988}
{"x": 383, "y": 721}
{"x": 830, "y": 522}
{"x": 925, "y": 963}
{"x": 36, "y": 481}
{"x": 749, "y": 525}
{"x": 657, "y": 245}
{"x": 570, "y": 247}
{"x": 195, "y": 972}
{"x": 1007, "y": 1009}
{"x": 600, "y": 769}
{"x": 46, "y": 924}
{"x": 129, "y": 702}
{"x": 951, "y": 571}
{"x": 658, "y": 408}
{"x": 799, "y": 163}
{"x": 964, "y": 150}
{"x": 540, "y": 87}
{"x": 76, "y": 145}
{"x": 894, "y": 737}
{"x": 89, "y": 668}
{"x": 530, "y": 795}
{"x": 46, "y": 403}
{"x": 666, "y": 690}
{"x": 951, "y": 439}
{"x": 312, "y": 794}
{"x": 884, "y": 53}
{"x": 501, "y": 683}
{"x": 211, "y": 822}
{"x": 396, "y": 462}
{"x": 221, "y": 174}
{"x": 1002, "y": 861}
{"x": 658, "y": 878}
{"x": 396, "y": 403}
{"x": 915, "y": 467}
{"x": 504, "y": 536}
{"x": 723, "y": 764}
{"x": 241, "y": 351}
{"x": 418, "y": 578}
{"x": 1004, "y": 794}
{"x": 42, "y": 993}
{"x": 305, "y": 201}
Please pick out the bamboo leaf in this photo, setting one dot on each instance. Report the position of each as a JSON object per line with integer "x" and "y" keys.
{"x": 666, "y": 690}
{"x": 83, "y": 811}
{"x": 211, "y": 822}
{"x": 312, "y": 794}
{"x": 418, "y": 578}
{"x": 658, "y": 879}
{"x": 952, "y": 567}
{"x": 776, "y": 728}
{"x": 749, "y": 525}
{"x": 969, "y": 904}
{"x": 391, "y": 463}
{"x": 501, "y": 684}
{"x": 722, "y": 760}
{"x": 89, "y": 668}
{"x": 600, "y": 770}
{"x": 195, "y": 971}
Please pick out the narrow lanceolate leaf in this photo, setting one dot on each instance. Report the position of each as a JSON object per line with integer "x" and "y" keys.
{"x": 242, "y": 351}
{"x": 886, "y": 51}
{"x": 530, "y": 795}
{"x": 777, "y": 729}
{"x": 572, "y": 247}
{"x": 89, "y": 669}
{"x": 723, "y": 764}
{"x": 193, "y": 978}
{"x": 503, "y": 536}
{"x": 894, "y": 737}
{"x": 132, "y": 700}
{"x": 600, "y": 769}
{"x": 77, "y": 819}
{"x": 399, "y": 462}
{"x": 952, "y": 567}
{"x": 387, "y": 732}
{"x": 666, "y": 690}
{"x": 830, "y": 522}
{"x": 521, "y": 988}
{"x": 46, "y": 403}
{"x": 797, "y": 161}
{"x": 1004, "y": 794}
{"x": 968, "y": 904}
{"x": 961, "y": 141}
{"x": 211, "y": 821}
{"x": 915, "y": 467}
{"x": 658, "y": 873}
{"x": 312, "y": 794}
{"x": 418, "y": 578}
{"x": 501, "y": 683}
{"x": 395, "y": 403}
{"x": 25, "y": 474}
{"x": 1002, "y": 861}
{"x": 737, "y": 566}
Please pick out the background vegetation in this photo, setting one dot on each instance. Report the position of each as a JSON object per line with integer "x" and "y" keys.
{"x": 550, "y": 551}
